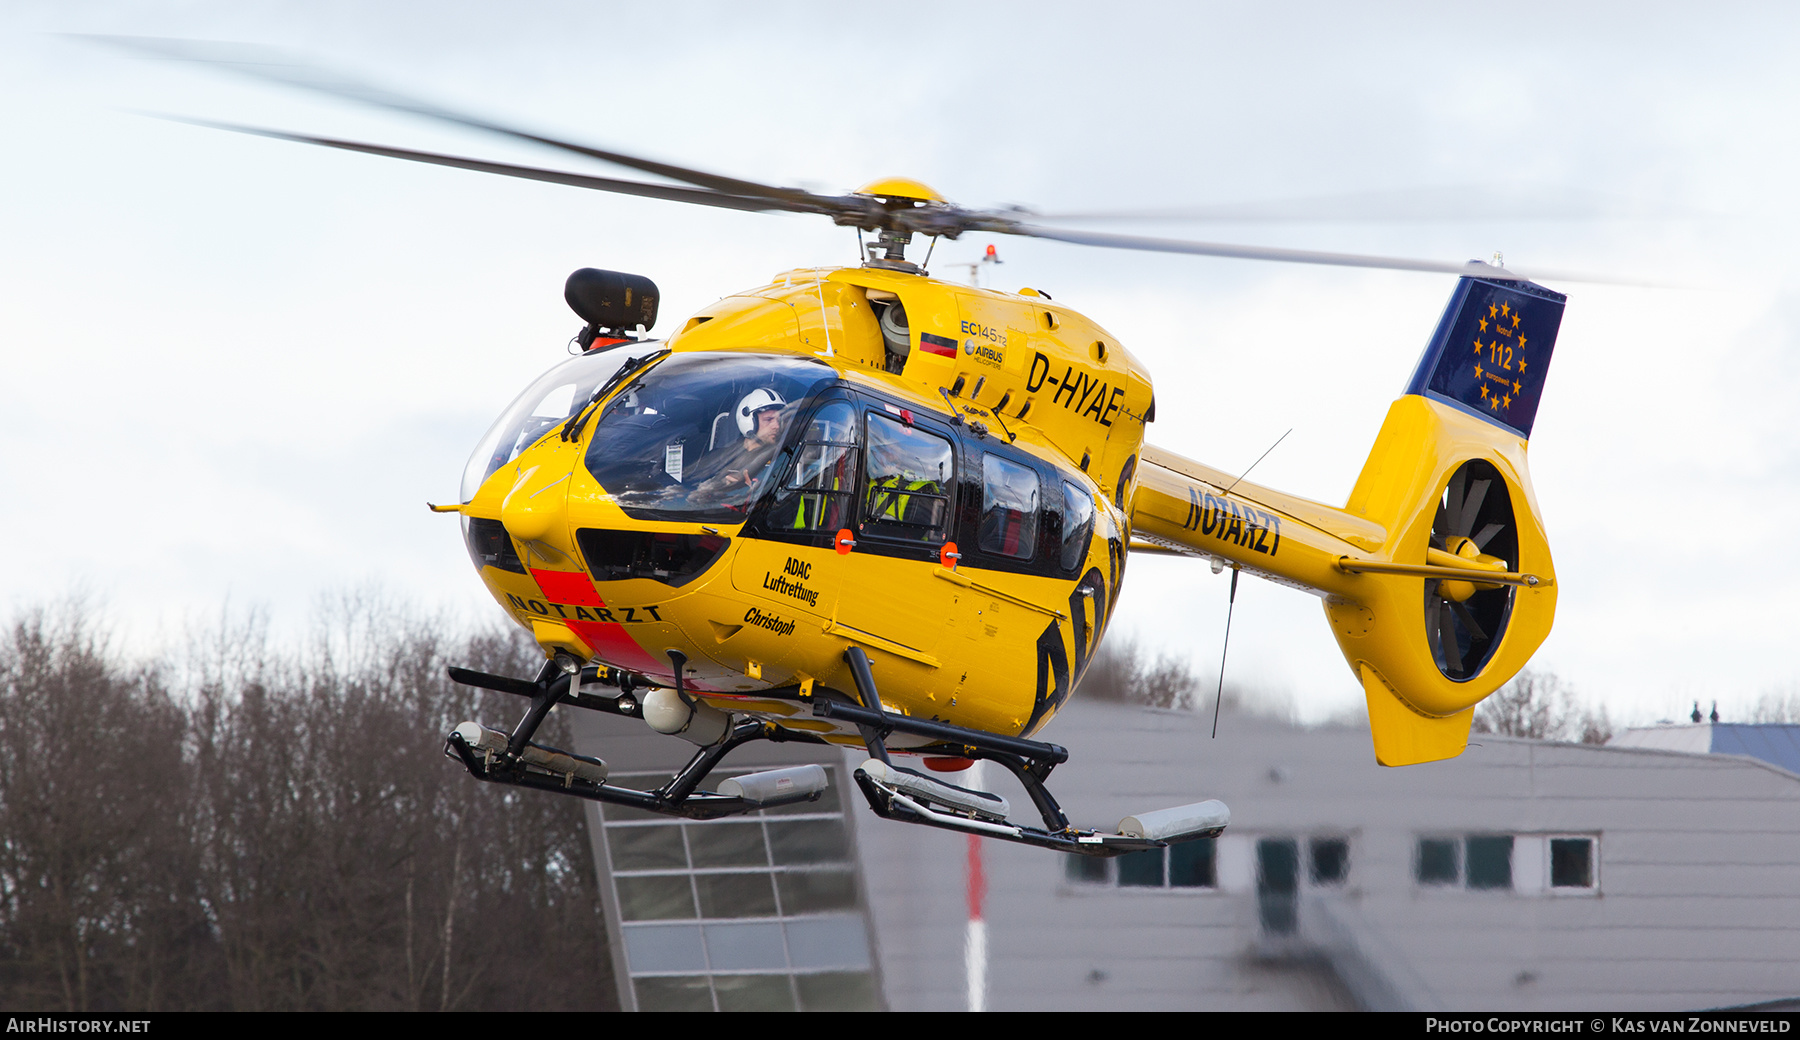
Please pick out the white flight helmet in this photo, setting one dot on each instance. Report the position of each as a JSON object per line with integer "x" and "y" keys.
{"x": 753, "y": 402}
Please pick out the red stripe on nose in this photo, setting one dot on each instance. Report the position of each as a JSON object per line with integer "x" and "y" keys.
{"x": 567, "y": 587}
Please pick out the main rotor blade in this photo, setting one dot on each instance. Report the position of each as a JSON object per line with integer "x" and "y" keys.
{"x": 1436, "y": 204}
{"x": 276, "y": 67}
{"x": 669, "y": 192}
{"x": 1471, "y": 268}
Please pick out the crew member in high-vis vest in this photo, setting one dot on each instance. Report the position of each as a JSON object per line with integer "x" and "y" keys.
{"x": 895, "y": 495}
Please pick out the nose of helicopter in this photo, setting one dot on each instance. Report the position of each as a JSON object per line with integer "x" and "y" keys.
{"x": 536, "y": 505}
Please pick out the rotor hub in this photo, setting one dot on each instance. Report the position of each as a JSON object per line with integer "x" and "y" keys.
{"x": 901, "y": 189}
{"x": 899, "y": 202}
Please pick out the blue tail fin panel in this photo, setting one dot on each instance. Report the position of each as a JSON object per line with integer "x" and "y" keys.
{"x": 1491, "y": 351}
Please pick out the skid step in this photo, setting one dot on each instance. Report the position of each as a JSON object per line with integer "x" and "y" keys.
{"x": 923, "y": 788}
{"x": 554, "y": 761}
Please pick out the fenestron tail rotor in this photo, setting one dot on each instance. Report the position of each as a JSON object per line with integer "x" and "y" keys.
{"x": 1464, "y": 620}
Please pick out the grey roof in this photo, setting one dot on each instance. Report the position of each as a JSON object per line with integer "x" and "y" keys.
{"x": 1775, "y": 743}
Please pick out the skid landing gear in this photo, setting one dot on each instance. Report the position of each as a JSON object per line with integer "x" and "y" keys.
{"x": 513, "y": 759}
{"x": 901, "y": 794}
{"x": 893, "y": 792}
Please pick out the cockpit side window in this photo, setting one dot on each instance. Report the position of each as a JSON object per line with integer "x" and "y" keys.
{"x": 818, "y": 492}
{"x": 1077, "y": 525}
{"x": 1009, "y": 508}
{"x": 910, "y": 475}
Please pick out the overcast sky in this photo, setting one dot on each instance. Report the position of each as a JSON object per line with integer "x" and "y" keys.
{"x": 232, "y": 370}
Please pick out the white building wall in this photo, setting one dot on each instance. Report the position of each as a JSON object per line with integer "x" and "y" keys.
{"x": 1698, "y": 861}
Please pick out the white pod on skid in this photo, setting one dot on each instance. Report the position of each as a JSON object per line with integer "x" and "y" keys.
{"x": 701, "y": 724}
{"x": 778, "y": 786}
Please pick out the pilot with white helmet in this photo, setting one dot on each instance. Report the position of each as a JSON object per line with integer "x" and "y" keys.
{"x": 759, "y": 421}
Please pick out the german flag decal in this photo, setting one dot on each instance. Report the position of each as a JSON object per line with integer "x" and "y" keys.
{"x": 940, "y": 345}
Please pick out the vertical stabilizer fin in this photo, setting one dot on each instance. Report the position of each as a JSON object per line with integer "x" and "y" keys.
{"x": 1403, "y": 737}
{"x": 1491, "y": 351}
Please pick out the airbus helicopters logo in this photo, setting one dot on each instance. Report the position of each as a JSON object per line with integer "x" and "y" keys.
{"x": 991, "y": 353}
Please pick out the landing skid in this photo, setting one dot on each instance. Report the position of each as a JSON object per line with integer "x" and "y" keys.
{"x": 521, "y": 763}
{"x": 893, "y": 792}
{"x": 898, "y": 794}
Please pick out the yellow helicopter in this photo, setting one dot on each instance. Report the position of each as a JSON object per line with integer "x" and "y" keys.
{"x": 866, "y": 507}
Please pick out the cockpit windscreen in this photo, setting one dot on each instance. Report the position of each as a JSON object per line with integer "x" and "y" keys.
{"x": 695, "y": 438}
{"x": 551, "y": 399}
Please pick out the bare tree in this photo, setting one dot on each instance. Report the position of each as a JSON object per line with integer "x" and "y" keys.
{"x": 1123, "y": 671}
{"x": 1541, "y": 706}
{"x": 1780, "y": 704}
{"x": 96, "y": 896}
{"x": 245, "y": 828}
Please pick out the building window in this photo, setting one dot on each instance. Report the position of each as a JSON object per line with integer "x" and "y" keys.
{"x": 1188, "y": 864}
{"x": 756, "y": 912}
{"x": 1278, "y": 884}
{"x": 1087, "y": 870}
{"x": 1330, "y": 859}
{"x": 1488, "y": 858}
{"x": 1192, "y": 864}
{"x": 1479, "y": 861}
{"x": 1141, "y": 869}
{"x": 1437, "y": 862}
{"x": 1572, "y": 863}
